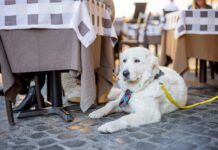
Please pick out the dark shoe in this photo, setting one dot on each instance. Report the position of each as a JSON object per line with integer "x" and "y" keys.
{"x": 28, "y": 101}
{"x": 1, "y": 92}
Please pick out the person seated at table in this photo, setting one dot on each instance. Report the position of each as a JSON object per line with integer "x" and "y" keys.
{"x": 199, "y": 4}
{"x": 171, "y": 6}
{"x": 29, "y": 90}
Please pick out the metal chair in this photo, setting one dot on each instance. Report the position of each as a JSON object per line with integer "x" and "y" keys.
{"x": 140, "y": 7}
{"x": 166, "y": 12}
{"x": 143, "y": 19}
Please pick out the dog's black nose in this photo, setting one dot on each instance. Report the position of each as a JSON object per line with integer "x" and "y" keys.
{"x": 126, "y": 73}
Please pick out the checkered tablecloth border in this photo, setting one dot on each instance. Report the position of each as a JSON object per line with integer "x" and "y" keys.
{"x": 87, "y": 17}
{"x": 192, "y": 22}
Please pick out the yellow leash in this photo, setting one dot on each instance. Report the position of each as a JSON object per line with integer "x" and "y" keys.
{"x": 174, "y": 102}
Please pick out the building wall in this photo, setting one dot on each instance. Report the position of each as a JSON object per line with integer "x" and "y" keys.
{"x": 125, "y": 8}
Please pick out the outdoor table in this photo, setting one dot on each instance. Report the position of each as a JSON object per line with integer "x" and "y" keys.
{"x": 59, "y": 39}
{"x": 190, "y": 33}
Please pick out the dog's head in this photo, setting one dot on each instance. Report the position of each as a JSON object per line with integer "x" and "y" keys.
{"x": 137, "y": 68}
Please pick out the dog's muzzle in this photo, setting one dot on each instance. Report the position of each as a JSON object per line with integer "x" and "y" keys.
{"x": 126, "y": 74}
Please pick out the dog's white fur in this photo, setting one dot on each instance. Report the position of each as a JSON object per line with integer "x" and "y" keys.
{"x": 148, "y": 102}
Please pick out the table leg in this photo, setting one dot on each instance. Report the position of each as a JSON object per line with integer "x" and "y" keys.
{"x": 212, "y": 69}
{"x": 156, "y": 49}
{"x": 196, "y": 67}
{"x": 9, "y": 109}
{"x": 203, "y": 71}
{"x": 216, "y": 67}
{"x": 40, "y": 101}
{"x": 56, "y": 90}
{"x": 48, "y": 89}
{"x": 9, "y": 112}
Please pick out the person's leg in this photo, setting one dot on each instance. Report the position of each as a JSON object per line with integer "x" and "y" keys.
{"x": 30, "y": 98}
{"x": 1, "y": 92}
{"x": 28, "y": 91}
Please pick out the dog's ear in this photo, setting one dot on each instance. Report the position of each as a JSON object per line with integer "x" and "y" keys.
{"x": 154, "y": 64}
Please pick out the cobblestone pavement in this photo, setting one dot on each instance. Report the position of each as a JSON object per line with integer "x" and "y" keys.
{"x": 196, "y": 128}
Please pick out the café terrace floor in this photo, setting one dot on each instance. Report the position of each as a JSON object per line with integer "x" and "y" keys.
{"x": 196, "y": 128}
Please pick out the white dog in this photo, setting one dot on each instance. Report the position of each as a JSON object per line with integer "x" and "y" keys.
{"x": 141, "y": 95}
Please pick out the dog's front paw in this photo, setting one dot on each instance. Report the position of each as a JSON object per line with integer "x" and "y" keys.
{"x": 96, "y": 114}
{"x": 106, "y": 128}
{"x": 109, "y": 127}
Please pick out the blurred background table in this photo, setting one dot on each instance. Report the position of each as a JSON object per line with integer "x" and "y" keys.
{"x": 190, "y": 34}
{"x": 143, "y": 33}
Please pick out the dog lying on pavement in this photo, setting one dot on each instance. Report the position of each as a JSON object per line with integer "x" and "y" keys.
{"x": 140, "y": 93}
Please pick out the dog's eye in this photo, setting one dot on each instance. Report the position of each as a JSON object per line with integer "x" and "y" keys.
{"x": 136, "y": 60}
{"x": 124, "y": 60}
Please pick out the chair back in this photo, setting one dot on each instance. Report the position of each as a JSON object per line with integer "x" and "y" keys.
{"x": 140, "y": 18}
{"x": 166, "y": 12}
{"x": 139, "y": 8}
{"x": 145, "y": 17}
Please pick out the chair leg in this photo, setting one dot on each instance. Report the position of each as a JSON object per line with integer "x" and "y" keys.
{"x": 196, "y": 67}
{"x": 156, "y": 49}
{"x": 203, "y": 71}
{"x": 212, "y": 69}
{"x": 48, "y": 88}
{"x": 63, "y": 92}
{"x": 40, "y": 101}
{"x": 10, "y": 114}
{"x": 216, "y": 67}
